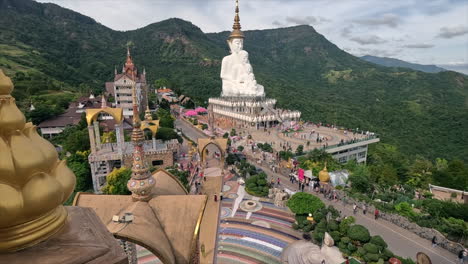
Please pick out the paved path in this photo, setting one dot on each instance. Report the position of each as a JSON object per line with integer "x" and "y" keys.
{"x": 400, "y": 241}
{"x": 209, "y": 225}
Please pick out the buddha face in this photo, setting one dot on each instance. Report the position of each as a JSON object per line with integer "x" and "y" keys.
{"x": 236, "y": 45}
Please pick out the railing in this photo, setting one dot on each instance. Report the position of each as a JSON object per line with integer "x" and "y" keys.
{"x": 349, "y": 142}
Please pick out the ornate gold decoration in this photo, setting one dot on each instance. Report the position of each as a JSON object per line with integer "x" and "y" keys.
{"x": 149, "y": 123}
{"x": 34, "y": 183}
{"x": 323, "y": 174}
{"x": 116, "y": 113}
{"x": 236, "y": 32}
{"x": 141, "y": 182}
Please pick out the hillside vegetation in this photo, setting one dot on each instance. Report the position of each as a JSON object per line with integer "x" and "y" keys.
{"x": 58, "y": 50}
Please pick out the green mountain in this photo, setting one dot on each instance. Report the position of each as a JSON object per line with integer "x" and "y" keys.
{"x": 390, "y": 62}
{"x": 61, "y": 50}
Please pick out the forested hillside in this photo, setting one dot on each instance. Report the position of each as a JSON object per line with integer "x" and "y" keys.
{"x": 60, "y": 51}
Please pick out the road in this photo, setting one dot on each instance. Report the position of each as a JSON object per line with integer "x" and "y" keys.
{"x": 400, "y": 241}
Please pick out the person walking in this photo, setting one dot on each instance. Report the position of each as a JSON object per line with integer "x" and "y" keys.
{"x": 461, "y": 256}
{"x": 215, "y": 198}
{"x": 278, "y": 181}
{"x": 354, "y": 208}
{"x": 364, "y": 209}
{"x": 434, "y": 241}
{"x": 376, "y": 213}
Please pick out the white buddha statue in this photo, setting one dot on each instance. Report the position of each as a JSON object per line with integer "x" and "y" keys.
{"x": 236, "y": 71}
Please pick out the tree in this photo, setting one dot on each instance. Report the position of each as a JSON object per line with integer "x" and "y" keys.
{"x": 117, "y": 181}
{"x": 304, "y": 203}
{"x": 165, "y": 118}
{"x": 360, "y": 179}
{"x": 161, "y": 82}
{"x": 78, "y": 163}
{"x": 299, "y": 150}
{"x": 165, "y": 133}
{"x": 420, "y": 173}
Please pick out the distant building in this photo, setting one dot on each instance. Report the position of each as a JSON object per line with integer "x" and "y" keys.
{"x": 443, "y": 193}
{"x": 72, "y": 116}
{"x": 167, "y": 94}
{"x": 121, "y": 87}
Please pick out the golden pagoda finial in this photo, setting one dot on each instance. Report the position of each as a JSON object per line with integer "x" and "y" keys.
{"x": 34, "y": 183}
{"x": 324, "y": 176}
{"x": 141, "y": 182}
{"x": 236, "y": 27}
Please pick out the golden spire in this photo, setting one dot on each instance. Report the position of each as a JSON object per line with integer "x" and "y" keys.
{"x": 141, "y": 182}
{"x": 34, "y": 183}
{"x": 236, "y": 32}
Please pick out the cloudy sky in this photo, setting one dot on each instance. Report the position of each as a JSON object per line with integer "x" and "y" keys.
{"x": 420, "y": 31}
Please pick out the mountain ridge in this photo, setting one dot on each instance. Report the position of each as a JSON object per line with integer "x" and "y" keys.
{"x": 421, "y": 113}
{"x": 392, "y": 62}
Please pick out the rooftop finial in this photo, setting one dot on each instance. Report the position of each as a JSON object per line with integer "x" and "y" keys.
{"x": 34, "y": 183}
{"x": 141, "y": 182}
{"x": 128, "y": 51}
{"x": 103, "y": 101}
{"x": 236, "y": 32}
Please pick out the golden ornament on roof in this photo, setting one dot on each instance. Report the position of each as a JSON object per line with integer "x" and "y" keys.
{"x": 34, "y": 183}
{"x": 323, "y": 174}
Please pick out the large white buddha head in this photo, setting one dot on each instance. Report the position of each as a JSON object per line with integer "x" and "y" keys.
{"x": 236, "y": 38}
{"x": 236, "y": 45}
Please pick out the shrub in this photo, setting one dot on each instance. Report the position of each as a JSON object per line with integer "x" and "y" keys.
{"x": 371, "y": 257}
{"x": 318, "y": 236}
{"x": 257, "y": 185}
{"x": 377, "y": 240}
{"x": 318, "y": 216}
{"x": 304, "y": 203}
{"x": 240, "y": 148}
{"x": 405, "y": 209}
{"x": 371, "y": 248}
{"x": 345, "y": 224}
{"x": 352, "y": 247}
{"x": 336, "y": 236}
{"x": 360, "y": 252}
{"x": 226, "y": 135}
{"x": 204, "y": 126}
{"x": 359, "y": 233}
{"x": 346, "y": 239}
{"x": 300, "y": 218}
{"x": 342, "y": 245}
{"x": 386, "y": 254}
{"x": 333, "y": 225}
{"x": 295, "y": 226}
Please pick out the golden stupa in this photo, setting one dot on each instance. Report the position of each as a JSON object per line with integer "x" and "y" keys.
{"x": 323, "y": 174}
{"x": 236, "y": 27}
{"x": 34, "y": 183}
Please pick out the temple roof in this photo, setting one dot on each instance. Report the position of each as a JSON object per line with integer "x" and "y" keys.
{"x": 167, "y": 224}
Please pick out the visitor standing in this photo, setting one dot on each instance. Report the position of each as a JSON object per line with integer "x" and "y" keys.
{"x": 278, "y": 181}
{"x": 364, "y": 209}
{"x": 461, "y": 256}
{"x": 354, "y": 208}
{"x": 215, "y": 198}
{"x": 376, "y": 213}
{"x": 434, "y": 241}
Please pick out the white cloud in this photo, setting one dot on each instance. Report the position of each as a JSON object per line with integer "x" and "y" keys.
{"x": 366, "y": 40}
{"x": 390, "y": 20}
{"x": 418, "y": 46}
{"x": 451, "y": 32}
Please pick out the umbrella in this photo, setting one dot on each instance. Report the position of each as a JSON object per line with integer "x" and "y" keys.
{"x": 191, "y": 113}
{"x": 200, "y": 110}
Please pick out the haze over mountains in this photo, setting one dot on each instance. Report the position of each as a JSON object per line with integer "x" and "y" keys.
{"x": 390, "y": 62}
{"x": 421, "y": 113}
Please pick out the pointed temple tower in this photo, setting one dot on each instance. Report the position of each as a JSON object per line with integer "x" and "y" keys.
{"x": 158, "y": 215}
{"x": 243, "y": 100}
{"x": 34, "y": 184}
{"x": 123, "y": 82}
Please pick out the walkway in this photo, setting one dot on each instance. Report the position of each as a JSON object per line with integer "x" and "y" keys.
{"x": 209, "y": 224}
{"x": 252, "y": 236}
{"x": 399, "y": 240}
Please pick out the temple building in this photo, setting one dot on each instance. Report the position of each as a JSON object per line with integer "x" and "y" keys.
{"x": 121, "y": 87}
{"x": 159, "y": 214}
{"x": 107, "y": 154}
{"x": 243, "y": 100}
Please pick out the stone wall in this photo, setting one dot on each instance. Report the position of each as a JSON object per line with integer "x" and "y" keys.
{"x": 166, "y": 157}
{"x": 403, "y": 222}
